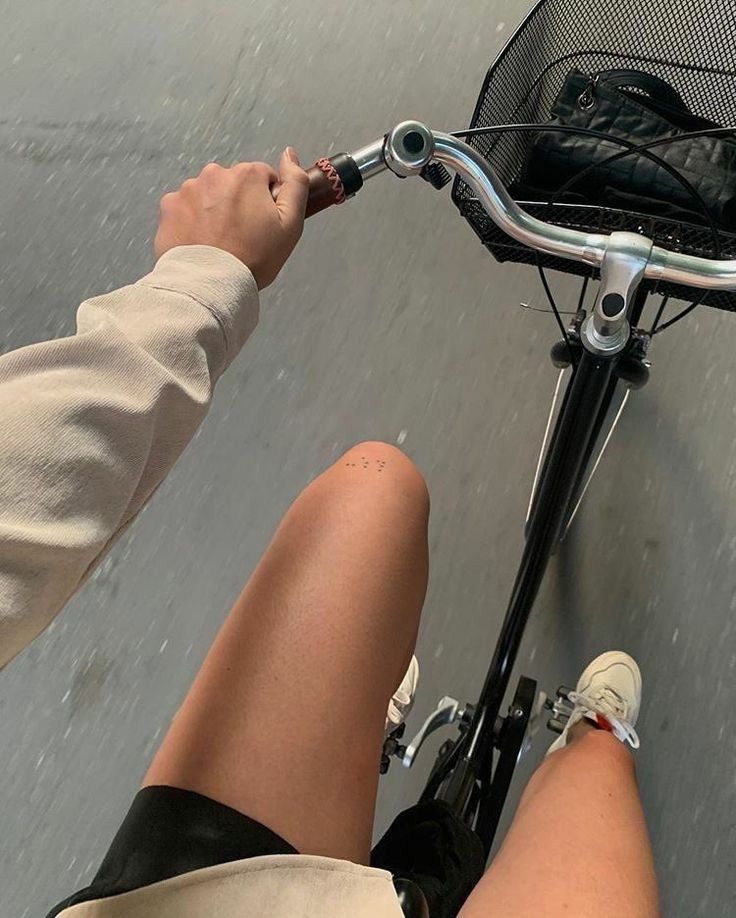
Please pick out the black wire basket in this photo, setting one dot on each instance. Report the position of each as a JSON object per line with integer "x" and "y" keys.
{"x": 691, "y": 44}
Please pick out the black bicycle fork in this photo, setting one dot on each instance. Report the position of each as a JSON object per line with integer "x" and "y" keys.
{"x": 466, "y": 779}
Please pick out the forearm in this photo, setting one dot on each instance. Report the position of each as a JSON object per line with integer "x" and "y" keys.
{"x": 91, "y": 424}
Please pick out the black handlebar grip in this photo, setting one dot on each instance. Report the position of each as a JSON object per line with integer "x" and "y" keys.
{"x": 332, "y": 181}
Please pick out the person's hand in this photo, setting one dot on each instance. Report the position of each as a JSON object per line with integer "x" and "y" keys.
{"x": 234, "y": 209}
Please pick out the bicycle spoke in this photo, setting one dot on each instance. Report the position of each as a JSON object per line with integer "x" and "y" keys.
{"x": 598, "y": 460}
{"x": 544, "y": 444}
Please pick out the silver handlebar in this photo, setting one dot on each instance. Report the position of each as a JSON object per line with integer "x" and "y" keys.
{"x": 400, "y": 151}
{"x": 506, "y": 213}
{"x": 688, "y": 270}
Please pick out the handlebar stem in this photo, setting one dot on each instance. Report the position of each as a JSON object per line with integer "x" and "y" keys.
{"x": 606, "y": 332}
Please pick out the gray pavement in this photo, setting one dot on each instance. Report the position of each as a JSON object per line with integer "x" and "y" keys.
{"x": 390, "y": 322}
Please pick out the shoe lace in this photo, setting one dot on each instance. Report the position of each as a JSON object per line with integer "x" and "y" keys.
{"x": 607, "y": 701}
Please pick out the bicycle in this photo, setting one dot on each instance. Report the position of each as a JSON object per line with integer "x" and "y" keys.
{"x": 604, "y": 349}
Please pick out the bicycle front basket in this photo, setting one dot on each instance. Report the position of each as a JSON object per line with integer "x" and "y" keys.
{"x": 691, "y": 44}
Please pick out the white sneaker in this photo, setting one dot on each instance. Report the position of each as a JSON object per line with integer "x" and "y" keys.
{"x": 608, "y": 694}
{"x": 403, "y": 698}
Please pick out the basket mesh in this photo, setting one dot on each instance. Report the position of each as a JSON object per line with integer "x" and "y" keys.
{"x": 689, "y": 43}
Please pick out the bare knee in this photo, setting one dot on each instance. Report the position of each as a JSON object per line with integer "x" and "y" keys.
{"x": 384, "y": 468}
{"x": 376, "y": 481}
{"x": 596, "y": 756}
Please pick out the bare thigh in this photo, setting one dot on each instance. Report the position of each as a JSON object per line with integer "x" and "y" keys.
{"x": 285, "y": 719}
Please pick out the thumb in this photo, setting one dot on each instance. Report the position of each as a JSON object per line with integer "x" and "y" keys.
{"x": 293, "y": 192}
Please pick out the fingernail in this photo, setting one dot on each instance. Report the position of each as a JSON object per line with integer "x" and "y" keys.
{"x": 292, "y": 155}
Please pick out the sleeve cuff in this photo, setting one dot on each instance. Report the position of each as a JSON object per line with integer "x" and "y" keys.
{"x": 218, "y": 281}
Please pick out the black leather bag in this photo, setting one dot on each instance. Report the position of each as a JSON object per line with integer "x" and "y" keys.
{"x": 638, "y": 107}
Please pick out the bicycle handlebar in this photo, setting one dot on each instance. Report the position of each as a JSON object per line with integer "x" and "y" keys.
{"x": 411, "y": 146}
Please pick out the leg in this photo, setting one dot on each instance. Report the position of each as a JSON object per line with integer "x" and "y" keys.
{"x": 285, "y": 719}
{"x": 578, "y": 845}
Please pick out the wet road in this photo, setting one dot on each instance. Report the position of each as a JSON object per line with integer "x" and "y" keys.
{"x": 391, "y": 322}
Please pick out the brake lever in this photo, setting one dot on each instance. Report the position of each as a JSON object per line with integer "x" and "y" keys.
{"x": 436, "y": 175}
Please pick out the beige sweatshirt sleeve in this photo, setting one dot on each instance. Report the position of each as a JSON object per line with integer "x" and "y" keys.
{"x": 91, "y": 424}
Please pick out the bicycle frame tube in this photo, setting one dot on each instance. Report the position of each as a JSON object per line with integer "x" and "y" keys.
{"x": 575, "y": 427}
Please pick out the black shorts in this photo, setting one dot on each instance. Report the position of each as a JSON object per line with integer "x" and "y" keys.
{"x": 168, "y": 832}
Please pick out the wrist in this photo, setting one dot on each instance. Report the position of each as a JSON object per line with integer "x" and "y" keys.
{"x": 218, "y": 281}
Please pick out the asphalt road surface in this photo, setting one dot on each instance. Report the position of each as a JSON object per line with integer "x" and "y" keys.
{"x": 390, "y": 322}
